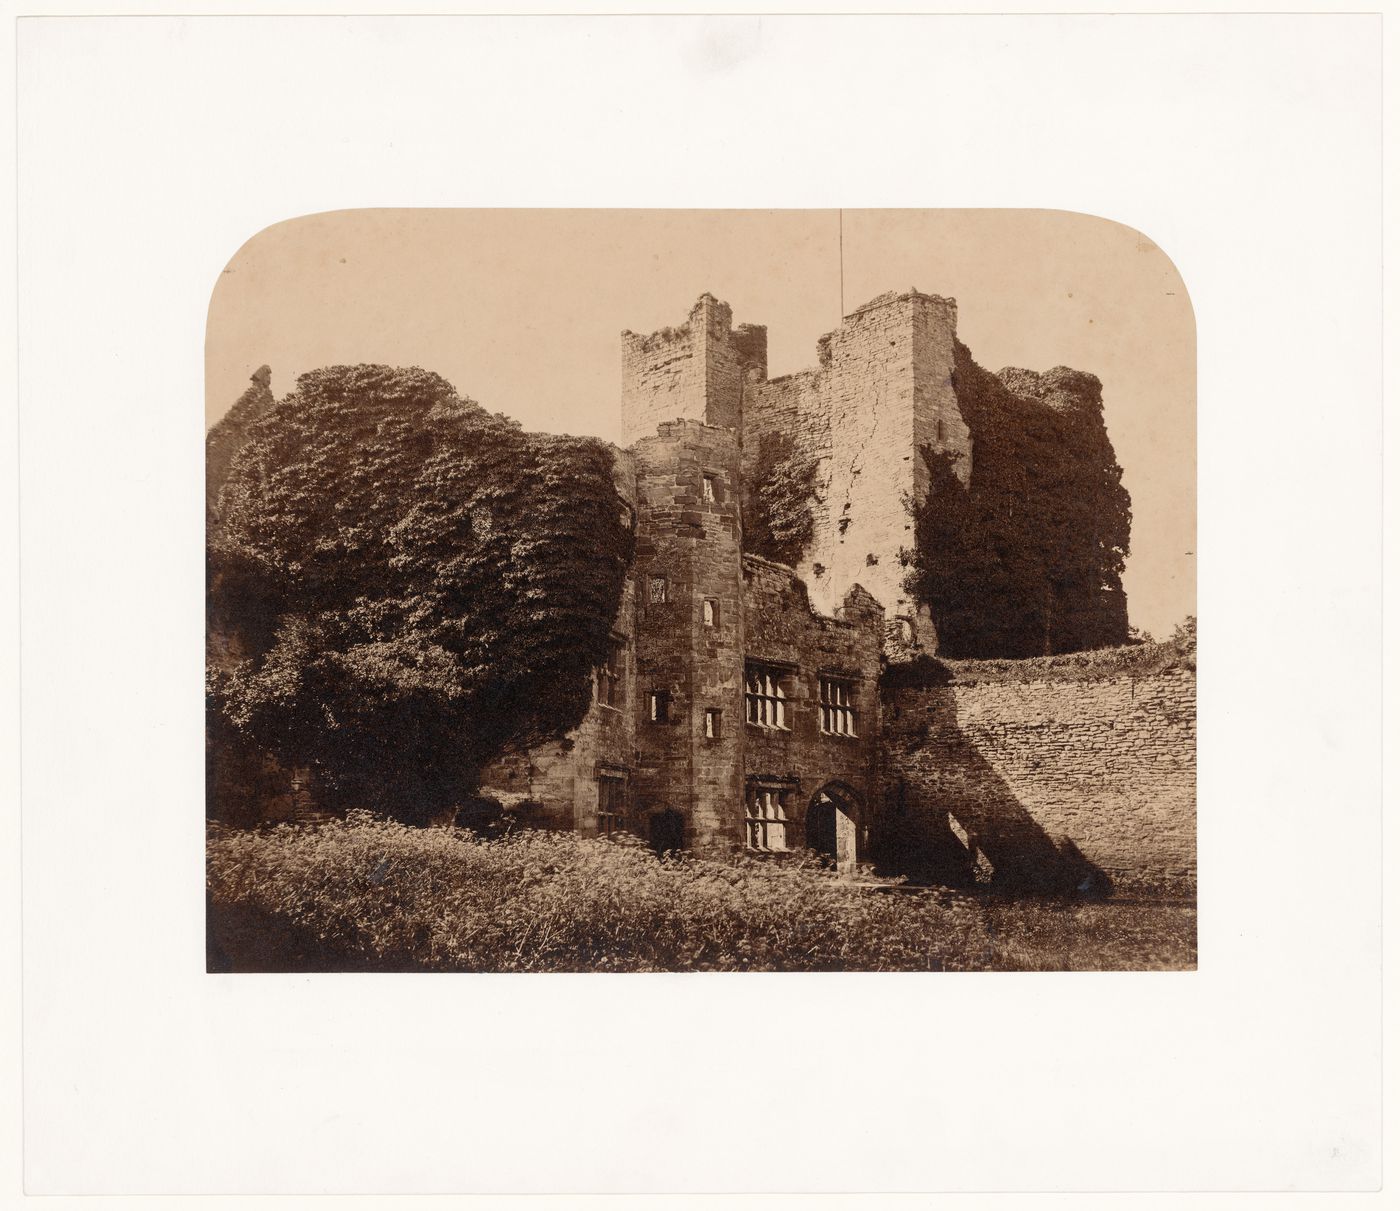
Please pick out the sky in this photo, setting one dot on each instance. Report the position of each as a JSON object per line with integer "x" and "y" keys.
{"x": 522, "y": 310}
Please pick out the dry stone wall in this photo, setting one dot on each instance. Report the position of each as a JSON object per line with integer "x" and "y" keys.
{"x": 1087, "y": 784}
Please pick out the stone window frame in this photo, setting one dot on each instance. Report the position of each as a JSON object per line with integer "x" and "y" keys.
{"x": 709, "y": 612}
{"x": 658, "y": 706}
{"x": 714, "y": 723}
{"x": 768, "y": 814}
{"x": 837, "y": 712}
{"x": 612, "y": 801}
{"x": 769, "y": 694}
{"x": 709, "y": 487}
{"x": 609, "y": 684}
{"x": 658, "y": 589}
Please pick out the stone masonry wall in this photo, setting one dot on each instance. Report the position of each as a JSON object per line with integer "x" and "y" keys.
{"x": 889, "y": 370}
{"x": 694, "y": 372}
{"x": 883, "y": 388}
{"x": 1088, "y": 784}
{"x": 688, "y": 553}
{"x": 663, "y": 377}
{"x": 784, "y": 632}
{"x": 796, "y": 408}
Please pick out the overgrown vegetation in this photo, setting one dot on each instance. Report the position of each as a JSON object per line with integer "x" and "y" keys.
{"x": 401, "y": 584}
{"x": 1027, "y": 559}
{"x": 226, "y": 438}
{"x": 369, "y": 894}
{"x": 1139, "y": 661}
{"x": 781, "y": 494}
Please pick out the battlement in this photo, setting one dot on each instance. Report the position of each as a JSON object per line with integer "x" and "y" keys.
{"x": 889, "y": 297}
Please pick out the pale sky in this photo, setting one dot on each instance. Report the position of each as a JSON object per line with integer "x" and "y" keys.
{"x": 522, "y": 309}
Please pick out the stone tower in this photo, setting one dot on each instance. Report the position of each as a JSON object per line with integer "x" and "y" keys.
{"x": 889, "y": 385}
{"x": 696, "y": 371}
{"x": 881, "y": 391}
{"x": 690, "y": 630}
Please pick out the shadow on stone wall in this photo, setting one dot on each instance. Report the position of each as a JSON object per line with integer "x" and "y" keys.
{"x": 951, "y": 819}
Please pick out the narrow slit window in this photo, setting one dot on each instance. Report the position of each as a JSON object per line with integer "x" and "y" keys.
{"x": 658, "y": 706}
{"x": 656, "y": 590}
{"x": 707, "y": 487}
{"x": 712, "y": 721}
{"x": 609, "y": 680}
{"x": 709, "y": 612}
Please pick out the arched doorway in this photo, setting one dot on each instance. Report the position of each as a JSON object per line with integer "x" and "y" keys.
{"x": 832, "y": 825}
{"x": 666, "y": 830}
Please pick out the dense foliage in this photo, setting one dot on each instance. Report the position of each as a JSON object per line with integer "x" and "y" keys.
{"x": 226, "y": 438}
{"x": 1027, "y": 559}
{"x": 401, "y": 584}
{"x": 782, "y": 492}
{"x": 369, "y": 894}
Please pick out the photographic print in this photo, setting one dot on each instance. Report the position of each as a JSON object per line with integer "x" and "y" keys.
{"x": 636, "y": 591}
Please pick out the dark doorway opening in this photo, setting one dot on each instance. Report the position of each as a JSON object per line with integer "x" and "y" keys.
{"x": 666, "y": 831}
{"x": 832, "y": 824}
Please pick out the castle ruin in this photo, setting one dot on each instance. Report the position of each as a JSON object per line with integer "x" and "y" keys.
{"x": 741, "y": 704}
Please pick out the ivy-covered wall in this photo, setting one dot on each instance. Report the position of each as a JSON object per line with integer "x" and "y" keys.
{"x": 1024, "y": 556}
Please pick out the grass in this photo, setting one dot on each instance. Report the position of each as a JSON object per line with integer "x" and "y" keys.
{"x": 365, "y": 894}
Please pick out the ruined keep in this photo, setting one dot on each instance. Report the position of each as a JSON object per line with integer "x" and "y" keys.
{"x": 741, "y": 704}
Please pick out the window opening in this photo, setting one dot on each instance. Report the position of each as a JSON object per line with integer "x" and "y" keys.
{"x": 612, "y": 804}
{"x": 609, "y": 678}
{"x": 838, "y": 711}
{"x": 766, "y": 818}
{"x": 765, "y": 696}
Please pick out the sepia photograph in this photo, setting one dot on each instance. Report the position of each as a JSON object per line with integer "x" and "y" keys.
{"x": 689, "y": 530}
{"x": 627, "y": 591}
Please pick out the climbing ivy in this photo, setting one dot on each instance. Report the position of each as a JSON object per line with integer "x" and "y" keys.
{"x": 780, "y": 495}
{"x": 1027, "y": 558}
{"x": 226, "y": 438}
{"x": 413, "y": 584}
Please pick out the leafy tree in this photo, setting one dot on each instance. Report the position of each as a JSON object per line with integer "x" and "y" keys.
{"x": 412, "y": 583}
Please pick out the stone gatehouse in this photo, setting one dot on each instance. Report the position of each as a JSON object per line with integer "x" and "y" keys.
{"x": 742, "y": 703}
